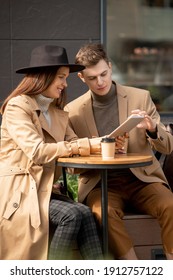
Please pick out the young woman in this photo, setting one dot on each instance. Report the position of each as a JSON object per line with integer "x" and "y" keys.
{"x": 34, "y": 133}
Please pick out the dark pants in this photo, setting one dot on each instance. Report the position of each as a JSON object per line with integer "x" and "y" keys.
{"x": 72, "y": 222}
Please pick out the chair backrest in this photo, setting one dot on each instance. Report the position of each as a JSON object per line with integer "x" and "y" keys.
{"x": 168, "y": 169}
{"x": 168, "y": 162}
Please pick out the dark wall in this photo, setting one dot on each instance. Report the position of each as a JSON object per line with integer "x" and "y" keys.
{"x": 25, "y": 24}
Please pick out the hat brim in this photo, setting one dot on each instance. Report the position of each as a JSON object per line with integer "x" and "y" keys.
{"x": 27, "y": 70}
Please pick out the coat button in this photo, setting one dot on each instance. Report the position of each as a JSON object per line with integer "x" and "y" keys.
{"x": 15, "y": 205}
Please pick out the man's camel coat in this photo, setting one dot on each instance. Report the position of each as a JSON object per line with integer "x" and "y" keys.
{"x": 129, "y": 98}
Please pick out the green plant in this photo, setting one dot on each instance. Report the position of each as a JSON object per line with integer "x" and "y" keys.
{"x": 72, "y": 185}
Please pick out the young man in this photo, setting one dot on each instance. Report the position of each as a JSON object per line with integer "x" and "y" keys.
{"x": 96, "y": 113}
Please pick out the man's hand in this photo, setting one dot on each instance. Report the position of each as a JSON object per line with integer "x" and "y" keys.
{"x": 148, "y": 123}
{"x": 95, "y": 144}
{"x": 119, "y": 143}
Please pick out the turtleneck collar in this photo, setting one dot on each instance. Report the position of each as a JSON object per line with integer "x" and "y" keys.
{"x": 104, "y": 99}
{"x": 43, "y": 102}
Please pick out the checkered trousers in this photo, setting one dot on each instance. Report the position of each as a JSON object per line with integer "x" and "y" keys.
{"x": 72, "y": 221}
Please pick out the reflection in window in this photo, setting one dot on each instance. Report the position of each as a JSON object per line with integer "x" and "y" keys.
{"x": 158, "y": 3}
{"x": 140, "y": 46}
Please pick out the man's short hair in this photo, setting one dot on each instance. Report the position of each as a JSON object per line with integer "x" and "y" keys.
{"x": 91, "y": 54}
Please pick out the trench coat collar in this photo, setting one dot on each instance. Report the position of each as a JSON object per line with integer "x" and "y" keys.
{"x": 36, "y": 108}
{"x": 55, "y": 113}
{"x": 122, "y": 103}
{"x": 88, "y": 115}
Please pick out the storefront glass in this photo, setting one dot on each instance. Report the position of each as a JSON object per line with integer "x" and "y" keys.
{"x": 139, "y": 41}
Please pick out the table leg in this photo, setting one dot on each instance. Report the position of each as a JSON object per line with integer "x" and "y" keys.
{"x": 104, "y": 200}
{"x": 64, "y": 177}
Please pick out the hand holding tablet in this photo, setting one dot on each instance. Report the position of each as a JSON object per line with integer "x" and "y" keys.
{"x": 126, "y": 126}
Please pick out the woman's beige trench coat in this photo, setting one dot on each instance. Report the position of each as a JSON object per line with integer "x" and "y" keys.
{"x": 27, "y": 172}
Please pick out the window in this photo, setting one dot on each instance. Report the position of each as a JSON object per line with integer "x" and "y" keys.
{"x": 140, "y": 46}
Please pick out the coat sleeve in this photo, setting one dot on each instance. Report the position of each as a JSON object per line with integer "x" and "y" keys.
{"x": 25, "y": 135}
{"x": 164, "y": 141}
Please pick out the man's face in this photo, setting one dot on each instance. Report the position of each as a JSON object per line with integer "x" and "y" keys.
{"x": 98, "y": 77}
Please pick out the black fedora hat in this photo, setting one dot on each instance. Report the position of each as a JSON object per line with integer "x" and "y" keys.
{"x": 46, "y": 57}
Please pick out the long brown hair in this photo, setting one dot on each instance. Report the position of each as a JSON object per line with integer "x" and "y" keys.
{"x": 36, "y": 83}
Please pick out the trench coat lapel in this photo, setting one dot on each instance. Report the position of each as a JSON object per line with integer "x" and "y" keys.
{"x": 58, "y": 120}
{"x": 43, "y": 123}
{"x": 89, "y": 117}
{"x": 123, "y": 104}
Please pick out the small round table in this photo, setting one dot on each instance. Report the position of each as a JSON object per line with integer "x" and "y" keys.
{"x": 130, "y": 160}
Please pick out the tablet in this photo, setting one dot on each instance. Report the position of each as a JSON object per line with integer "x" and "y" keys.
{"x": 126, "y": 126}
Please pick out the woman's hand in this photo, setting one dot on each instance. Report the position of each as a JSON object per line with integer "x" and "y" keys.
{"x": 95, "y": 145}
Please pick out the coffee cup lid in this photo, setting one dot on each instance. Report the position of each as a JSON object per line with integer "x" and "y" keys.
{"x": 107, "y": 140}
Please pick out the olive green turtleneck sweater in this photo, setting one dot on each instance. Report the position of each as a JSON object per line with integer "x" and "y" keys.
{"x": 105, "y": 110}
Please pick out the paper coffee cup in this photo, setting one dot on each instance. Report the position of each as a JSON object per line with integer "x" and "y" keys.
{"x": 108, "y": 148}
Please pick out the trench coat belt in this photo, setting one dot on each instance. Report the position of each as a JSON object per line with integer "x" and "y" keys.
{"x": 34, "y": 205}
{"x": 33, "y": 195}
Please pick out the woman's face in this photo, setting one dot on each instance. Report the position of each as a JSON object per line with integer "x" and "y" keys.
{"x": 58, "y": 84}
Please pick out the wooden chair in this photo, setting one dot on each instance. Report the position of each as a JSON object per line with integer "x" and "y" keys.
{"x": 146, "y": 235}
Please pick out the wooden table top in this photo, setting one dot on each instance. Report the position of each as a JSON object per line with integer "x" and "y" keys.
{"x": 120, "y": 159}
